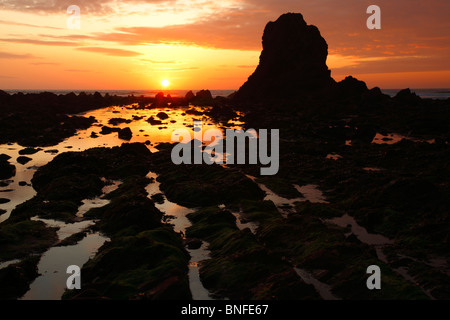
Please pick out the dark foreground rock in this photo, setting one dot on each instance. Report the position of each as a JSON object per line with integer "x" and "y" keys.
{"x": 240, "y": 266}
{"x": 23, "y": 160}
{"x": 15, "y": 279}
{"x": 7, "y": 170}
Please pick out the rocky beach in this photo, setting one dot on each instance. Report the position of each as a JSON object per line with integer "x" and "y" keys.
{"x": 363, "y": 180}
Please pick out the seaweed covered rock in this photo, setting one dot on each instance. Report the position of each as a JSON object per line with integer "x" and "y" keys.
{"x": 21, "y": 238}
{"x": 194, "y": 186}
{"x": 71, "y": 177}
{"x": 240, "y": 266}
{"x": 150, "y": 265}
{"x": 15, "y": 279}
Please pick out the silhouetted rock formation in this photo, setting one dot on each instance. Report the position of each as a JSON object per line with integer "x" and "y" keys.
{"x": 203, "y": 98}
{"x": 204, "y": 94}
{"x": 292, "y": 63}
{"x": 7, "y": 170}
{"x": 125, "y": 134}
{"x": 352, "y": 87}
{"x": 405, "y": 96}
{"x": 189, "y": 96}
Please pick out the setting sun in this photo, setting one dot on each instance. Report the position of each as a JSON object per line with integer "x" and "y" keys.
{"x": 165, "y": 83}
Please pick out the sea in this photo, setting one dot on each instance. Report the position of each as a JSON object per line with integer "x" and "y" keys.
{"x": 434, "y": 93}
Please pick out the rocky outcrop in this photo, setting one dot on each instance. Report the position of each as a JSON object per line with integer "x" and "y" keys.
{"x": 351, "y": 87}
{"x": 292, "y": 63}
{"x": 7, "y": 170}
{"x": 407, "y": 97}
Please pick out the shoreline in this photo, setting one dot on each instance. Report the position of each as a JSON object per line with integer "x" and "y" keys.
{"x": 424, "y": 93}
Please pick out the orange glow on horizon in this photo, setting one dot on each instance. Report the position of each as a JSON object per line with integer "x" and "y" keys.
{"x": 195, "y": 49}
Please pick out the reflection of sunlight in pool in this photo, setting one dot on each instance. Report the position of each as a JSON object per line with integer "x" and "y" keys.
{"x": 393, "y": 138}
{"x": 177, "y": 217}
{"x": 56, "y": 259}
{"x": 82, "y": 140}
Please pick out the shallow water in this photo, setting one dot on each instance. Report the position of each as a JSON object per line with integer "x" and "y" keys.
{"x": 360, "y": 232}
{"x": 180, "y": 223}
{"x": 66, "y": 229}
{"x": 53, "y": 266}
{"x": 393, "y": 138}
{"x": 54, "y": 262}
{"x": 310, "y": 192}
{"x": 8, "y": 263}
{"x": 376, "y": 240}
{"x": 323, "y": 289}
{"x": 334, "y": 156}
{"x": 82, "y": 140}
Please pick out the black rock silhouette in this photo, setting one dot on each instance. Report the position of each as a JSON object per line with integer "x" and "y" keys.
{"x": 7, "y": 170}
{"x": 405, "y": 96}
{"x": 189, "y": 96}
{"x": 125, "y": 134}
{"x": 292, "y": 63}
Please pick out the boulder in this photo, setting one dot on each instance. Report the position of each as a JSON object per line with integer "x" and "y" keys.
{"x": 204, "y": 94}
{"x": 163, "y": 115}
{"x": 23, "y": 160}
{"x": 125, "y": 134}
{"x": 193, "y": 243}
{"x": 28, "y": 151}
{"x": 7, "y": 170}
{"x": 405, "y": 96}
{"x": 352, "y": 87}
{"x": 189, "y": 96}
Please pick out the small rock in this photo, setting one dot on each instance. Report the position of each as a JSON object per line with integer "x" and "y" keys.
{"x": 23, "y": 160}
{"x": 193, "y": 244}
{"x": 3, "y": 200}
{"x": 163, "y": 115}
{"x": 125, "y": 134}
{"x": 28, "y": 151}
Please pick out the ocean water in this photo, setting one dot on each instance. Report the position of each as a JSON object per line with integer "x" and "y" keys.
{"x": 436, "y": 93}
{"x": 125, "y": 93}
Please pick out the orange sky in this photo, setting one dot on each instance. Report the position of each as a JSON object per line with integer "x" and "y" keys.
{"x": 212, "y": 44}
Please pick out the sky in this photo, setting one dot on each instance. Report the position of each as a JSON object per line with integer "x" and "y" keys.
{"x": 207, "y": 44}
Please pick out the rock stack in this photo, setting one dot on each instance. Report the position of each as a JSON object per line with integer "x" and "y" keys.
{"x": 292, "y": 64}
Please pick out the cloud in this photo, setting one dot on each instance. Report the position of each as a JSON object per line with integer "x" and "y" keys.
{"x": 160, "y": 62}
{"x": 175, "y": 69}
{"x": 27, "y": 25}
{"x": 8, "y": 55}
{"x": 110, "y": 51}
{"x": 414, "y": 33}
{"x": 45, "y": 64}
{"x": 406, "y": 30}
{"x": 77, "y": 70}
{"x": 39, "y": 42}
{"x": 226, "y": 30}
{"x": 97, "y": 7}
